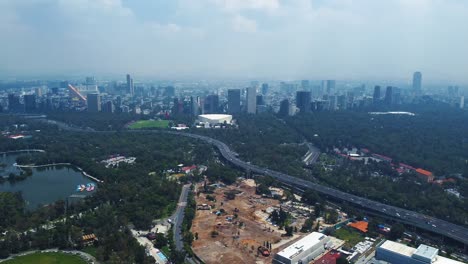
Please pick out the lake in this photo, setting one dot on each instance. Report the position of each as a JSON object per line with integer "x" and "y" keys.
{"x": 46, "y": 185}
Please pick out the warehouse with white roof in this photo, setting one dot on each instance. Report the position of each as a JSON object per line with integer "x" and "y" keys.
{"x": 215, "y": 119}
{"x": 304, "y": 250}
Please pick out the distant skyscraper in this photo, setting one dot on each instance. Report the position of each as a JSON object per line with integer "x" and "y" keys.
{"x": 376, "y": 97}
{"x": 234, "y": 99}
{"x": 211, "y": 104}
{"x": 14, "y": 103}
{"x": 38, "y": 91}
{"x": 462, "y": 102}
{"x": 264, "y": 88}
{"x": 303, "y": 99}
{"x": 305, "y": 84}
{"x": 389, "y": 96}
{"x": 251, "y": 100}
{"x": 333, "y": 106}
{"x": 30, "y": 103}
{"x": 195, "y": 105}
{"x": 284, "y": 108}
{"x": 329, "y": 86}
{"x": 64, "y": 84}
{"x": 260, "y": 100}
{"x": 417, "y": 82}
{"x": 178, "y": 107}
{"x": 90, "y": 81}
{"x": 94, "y": 102}
{"x": 130, "y": 87}
{"x": 169, "y": 91}
{"x": 108, "y": 107}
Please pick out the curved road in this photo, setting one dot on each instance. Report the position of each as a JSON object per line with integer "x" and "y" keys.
{"x": 432, "y": 224}
{"x": 456, "y": 232}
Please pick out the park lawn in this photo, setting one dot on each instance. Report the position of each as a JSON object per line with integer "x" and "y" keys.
{"x": 350, "y": 236}
{"x": 47, "y": 258}
{"x": 150, "y": 124}
{"x": 90, "y": 250}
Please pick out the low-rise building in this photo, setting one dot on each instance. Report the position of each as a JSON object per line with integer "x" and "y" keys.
{"x": 305, "y": 250}
{"x": 397, "y": 253}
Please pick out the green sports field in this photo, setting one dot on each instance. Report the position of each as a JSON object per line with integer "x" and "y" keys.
{"x": 150, "y": 124}
{"x": 46, "y": 258}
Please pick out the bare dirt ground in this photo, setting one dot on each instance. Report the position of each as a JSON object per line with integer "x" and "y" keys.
{"x": 236, "y": 240}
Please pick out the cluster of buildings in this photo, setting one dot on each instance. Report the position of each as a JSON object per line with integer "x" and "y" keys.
{"x": 202, "y": 98}
{"x": 115, "y": 160}
{"x": 319, "y": 249}
{"x": 396, "y": 253}
{"x": 400, "y": 168}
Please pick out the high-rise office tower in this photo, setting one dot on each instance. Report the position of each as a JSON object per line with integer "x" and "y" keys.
{"x": 342, "y": 102}
{"x": 90, "y": 81}
{"x": 264, "y": 88}
{"x": 130, "y": 87}
{"x": 234, "y": 99}
{"x": 38, "y": 91}
{"x": 303, "y": 99}
{"x": 462, "y": 102}
{"x": 14, "y": 104}
{"x": 108, "y": 107}
{"x": 333, "y": 99}
{"x": 94, "y": 102}
{"x": 260, "y": 100}
{"x": 376, "y": 97}
{"x": 417, "y": 82}
{"x": 30, "y": 103}
{"x": 178, "y": 106}
{"x": 305, "y": 84}
{"x": 284, "y": 108}
{"x": 195, "y": 103}
{"x": 328, "y": 86}
{"x": 169, "y": 91}
{"x": 389, "y": 96}
{"x": 251, "y": 100}
{"x": 211, "y": 104}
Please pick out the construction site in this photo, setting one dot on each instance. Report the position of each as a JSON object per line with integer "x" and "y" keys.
{"x": 231, "y": 225}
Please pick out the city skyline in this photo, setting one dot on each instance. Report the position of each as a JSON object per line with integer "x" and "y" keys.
{"x": 261, "y": 39}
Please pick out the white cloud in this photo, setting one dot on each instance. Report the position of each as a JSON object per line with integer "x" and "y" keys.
{"x": 166, "y": 28}
{"x": 243, "y": 24}
{"x": 316, "y": 38}
{"x": 236, "y": 5}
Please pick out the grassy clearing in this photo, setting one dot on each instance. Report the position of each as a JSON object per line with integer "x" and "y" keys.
{"x": 47, "y": 258}
{"x": 90, "y": 250}
{"x": 350, "y": 236}
{"x": 150, "y": 124}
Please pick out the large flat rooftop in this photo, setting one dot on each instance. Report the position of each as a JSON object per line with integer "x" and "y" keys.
{"x": 302, "y": 244}
{"x": 398, "y": 248}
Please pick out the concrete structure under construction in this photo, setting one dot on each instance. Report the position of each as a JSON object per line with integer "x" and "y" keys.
{"x": 215, "y": 119}
{"x": 305, "y": 250}
{"x": 397, "y": 253}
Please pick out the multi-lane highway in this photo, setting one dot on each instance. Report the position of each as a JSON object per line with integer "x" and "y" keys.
{"x": 422, "y": 221}
{"x": 178, "y": 218}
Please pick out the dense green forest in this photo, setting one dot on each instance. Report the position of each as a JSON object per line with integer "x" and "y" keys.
{"x": 434, "y": 139}
{"x": 98, "y": 121}
{"x": 129, "y": 194}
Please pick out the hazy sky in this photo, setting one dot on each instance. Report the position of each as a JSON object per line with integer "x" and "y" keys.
{"x": 280, "y": 39}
